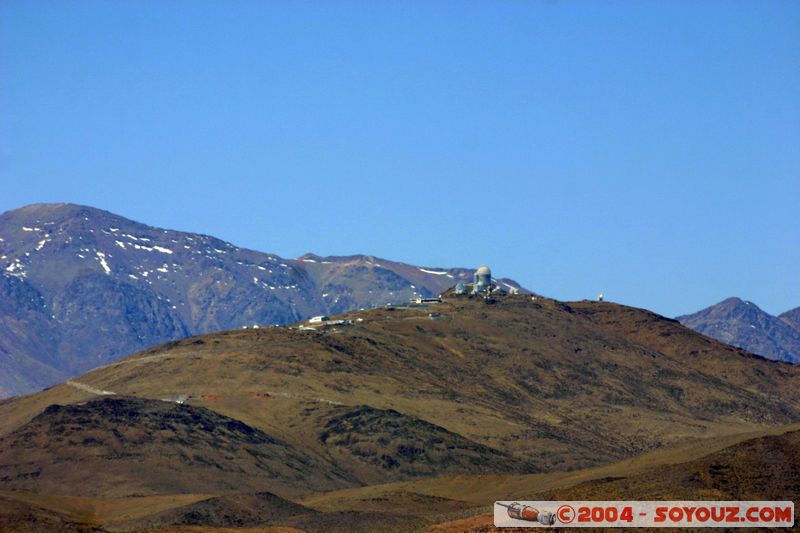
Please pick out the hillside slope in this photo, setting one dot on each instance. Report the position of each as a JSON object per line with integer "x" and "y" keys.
{"x": 438, "y": 408}
{"x": 156, "y": 447}
{"x": 743, "y": 324}
{"x": 515, "y": 385}
{"x": 81, "y": 287}
{"x": 765, "y": 468}
{"x": 762, "y": 469}
{"x": 160, "y": 447}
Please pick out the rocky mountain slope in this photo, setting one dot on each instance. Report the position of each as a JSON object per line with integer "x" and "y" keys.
{"x": 792, "y": 317}
{"x": 743, "y": 324}
{"x": 81, "y": 287}
{"x": 466, "y": 395}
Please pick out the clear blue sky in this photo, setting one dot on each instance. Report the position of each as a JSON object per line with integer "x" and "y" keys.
{"x": 649, "y": 150}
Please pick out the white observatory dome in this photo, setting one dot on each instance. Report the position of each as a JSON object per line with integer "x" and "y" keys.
{"x": 483, "y": 271}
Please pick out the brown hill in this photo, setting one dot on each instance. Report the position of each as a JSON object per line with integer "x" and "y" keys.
{"x": 559, "y": 384}
{"x": 757, "y": 468}
{"x": 123, "y": 446}
{"x": 761, "y": 468}
{"x": 17, "y": 516}
{"x": 235, "y": 511}
{"x": 406, "y": 447}
{"x": 766, "y": 468}
{"x": 482, "y": 389}
{"x": 172, "y": 448}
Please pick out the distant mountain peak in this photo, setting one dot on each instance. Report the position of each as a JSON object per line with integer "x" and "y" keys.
{"x": 56, "y": 211}
{"x": 734, "y": 301}
{"x": 742, "y": 323}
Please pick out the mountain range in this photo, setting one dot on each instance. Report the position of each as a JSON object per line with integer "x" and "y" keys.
{"x": 743, "y": 324}
{"x": 236, "y": 413}
{"x": 402, "y": 418}
{"x": 81, "y": 287}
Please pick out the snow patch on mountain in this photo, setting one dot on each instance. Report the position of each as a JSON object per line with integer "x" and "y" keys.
{"x": 103, "y": 263}
{"x": 434, "y": 272}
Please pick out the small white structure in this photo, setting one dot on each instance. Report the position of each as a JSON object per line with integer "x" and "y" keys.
{"x": 600, "y": 297}
{"x": 318, "y": 319}
{"x": 420, "y": 300}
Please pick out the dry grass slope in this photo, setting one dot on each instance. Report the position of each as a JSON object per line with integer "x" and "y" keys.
{"x": 419, "y": 419}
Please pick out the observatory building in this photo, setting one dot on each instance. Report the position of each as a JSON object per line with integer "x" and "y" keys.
{"x": 482, "y": 281}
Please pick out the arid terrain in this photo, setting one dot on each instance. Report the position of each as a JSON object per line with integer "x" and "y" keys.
{"x": 401, "y": 418}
